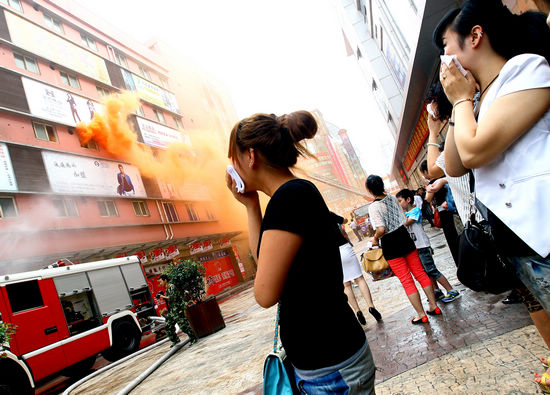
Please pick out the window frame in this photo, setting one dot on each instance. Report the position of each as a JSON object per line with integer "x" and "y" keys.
{"x": 92, "y": 144}
{"x": 179, "y": 124}
{"x": 66, "y": 208}
{"x": 101, "y": 91}
{"x": 12, "y": 296}
{"x": 54, "y": 23}
{"x": 144, "y": 72}
{"x": 175, "y": 212}
{"x": 107, "y": 209}
{"x": 2, "y": 216}
{"x": 191, "y": 213}
{"x": 46, "y": 126}
{"x": 142, "y": 204}
{"x": 159, "y": 116}
{"x": 120, "y": 58}
{"x": 25, "y": 59}
{"x": 164, "y": 82}
{"x": 68, "y": 76}
{"x": 19, "y": 7}
{"x": 88, "y": 41}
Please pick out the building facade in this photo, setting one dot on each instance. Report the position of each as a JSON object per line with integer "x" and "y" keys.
{"x": 61, "y": 200}
{"x": 335, "y": 169}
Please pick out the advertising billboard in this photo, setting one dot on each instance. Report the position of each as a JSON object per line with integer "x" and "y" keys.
{"x": 160, "y": 136}
{"x": 72, "y": 174}
{"x": 7, "y": 178}
{"x": 58, "y": 105}
{"x": 37, "y": 40}
{"x": 150, "y": 92}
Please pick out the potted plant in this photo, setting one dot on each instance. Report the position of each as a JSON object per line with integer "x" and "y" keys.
{"x": 202, "y": 313}
{"x": 7, "y": 330}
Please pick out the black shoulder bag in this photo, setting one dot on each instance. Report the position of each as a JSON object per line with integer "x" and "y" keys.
{"x": 480, "y": 266}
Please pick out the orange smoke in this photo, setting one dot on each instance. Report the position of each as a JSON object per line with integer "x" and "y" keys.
{"x": 201, "y": 163}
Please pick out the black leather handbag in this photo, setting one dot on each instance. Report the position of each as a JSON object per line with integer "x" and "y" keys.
{"x": 480, "y": 266}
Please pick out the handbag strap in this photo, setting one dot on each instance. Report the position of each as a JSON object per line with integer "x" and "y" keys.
{"x": 276, "y": 336}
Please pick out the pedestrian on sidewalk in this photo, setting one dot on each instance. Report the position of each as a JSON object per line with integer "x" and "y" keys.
{"x": 353, "y": 225}
{"x": 503, "y": 132}
{"x": 296, "y": 247}
{"x": 399, "y": 250}
{"x": 354, "y": 274}
{"x": 422, "y": 243}
{"x": 426, "y": 208}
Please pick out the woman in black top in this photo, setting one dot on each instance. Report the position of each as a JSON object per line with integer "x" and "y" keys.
{"x": 295, "y": 244}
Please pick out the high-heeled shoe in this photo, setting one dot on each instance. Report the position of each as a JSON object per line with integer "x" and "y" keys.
{"x": 377, "y": 316}
{"x": 361, "y": 318}
{"x": 436, "y": 311}
{"x": 422, "y": 320}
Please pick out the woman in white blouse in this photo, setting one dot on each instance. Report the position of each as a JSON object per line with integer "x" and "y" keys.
{"x": 508, "y": 142}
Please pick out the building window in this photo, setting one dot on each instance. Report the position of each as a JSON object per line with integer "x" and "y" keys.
{"x": 24, "y": 296}
{"x": 170, "y": 211}
{"x": 140, "y": 208}
{"x": 65, "y": 207}
{"x": 120, "y": 59}
{"x": 69, "y": 79}
{"x": 144, "y": 72}
{"x": 107, "y": 208}
{"x": 26, "y": 63}
{"x": 7, "y": 207}
{"x": 88, "y": 41}
{"x": 44, "y": 132}
{"x": 139, "y": 111}
{"x": 191, "y": 212}
{"x": 160, "y": 116}
{"x": 210, "y": 215}
{"x": 177, "y": 120}
{"x": 102, "y": 92}
{"x": 13, "y": 4}
{"x": 53, "y": 23}
{"x": 164, "y": 82}
{"x": 92, "y": 144}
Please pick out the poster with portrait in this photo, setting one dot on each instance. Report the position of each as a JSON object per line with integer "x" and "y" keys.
{"x": 57, "y": 105}
{"x": 80, "y": 175}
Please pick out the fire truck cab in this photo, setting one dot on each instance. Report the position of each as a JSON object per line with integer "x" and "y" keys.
{"x": 65, "y": 316}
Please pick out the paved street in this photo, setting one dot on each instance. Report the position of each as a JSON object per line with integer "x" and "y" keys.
{"x": 478, "y": 345}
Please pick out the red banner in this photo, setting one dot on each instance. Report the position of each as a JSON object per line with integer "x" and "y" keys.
{"x": 171, "y": 252}
{"x": 225, "y": 242}
{"x": 142, "y": 256}
{"x": 157, "y": 255}
{"x": 207, "y": 245}
{"x": 195, "y": 248}
{"x": 219, "y": 273}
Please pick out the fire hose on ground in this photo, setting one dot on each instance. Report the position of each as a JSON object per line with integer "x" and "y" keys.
{"x": 142, "y": 376}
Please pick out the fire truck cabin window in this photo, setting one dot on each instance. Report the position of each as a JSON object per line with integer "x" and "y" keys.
{"x": 24, "y": 296}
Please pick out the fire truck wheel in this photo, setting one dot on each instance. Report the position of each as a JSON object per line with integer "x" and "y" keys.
{"x": 80, "y": 368}
{"x": 126, "y": 339}
{"x": 13, "y": 380}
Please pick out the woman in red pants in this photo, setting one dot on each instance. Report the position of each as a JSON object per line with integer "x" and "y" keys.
{"x": 399, "y": 250}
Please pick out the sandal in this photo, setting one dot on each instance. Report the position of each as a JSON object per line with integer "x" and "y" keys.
{"x": 544, "y": 362}
{"x": 422, "y": 320}
{"x": 544, "y": 383}
{"x": 436, "y": 311}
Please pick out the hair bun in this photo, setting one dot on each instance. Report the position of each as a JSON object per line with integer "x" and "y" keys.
{"x": 300, "y": 125}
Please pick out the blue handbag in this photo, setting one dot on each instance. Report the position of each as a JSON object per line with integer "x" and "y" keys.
{"x": 277, "y": 381}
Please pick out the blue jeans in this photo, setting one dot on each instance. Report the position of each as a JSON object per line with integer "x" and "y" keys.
{"x": 534, "y": 273}
{"x": 354, "y": 376}
{"x": 427, "y": 259}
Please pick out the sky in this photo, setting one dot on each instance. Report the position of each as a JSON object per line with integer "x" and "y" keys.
{"x": 271, "y": 56}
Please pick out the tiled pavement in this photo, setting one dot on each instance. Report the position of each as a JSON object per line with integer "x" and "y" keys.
{"x": 479, "y": 345}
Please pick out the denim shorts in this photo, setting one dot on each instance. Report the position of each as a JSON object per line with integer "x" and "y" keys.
{"x": 354, "y": 376}
{"x": 534, "y": 273}
{"x": 427, "y": 259}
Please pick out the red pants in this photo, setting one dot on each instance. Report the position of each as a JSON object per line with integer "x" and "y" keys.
{"x": 404, "y": 266}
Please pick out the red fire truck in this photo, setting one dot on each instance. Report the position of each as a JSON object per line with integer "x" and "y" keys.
{"x": 65, "y": 316}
